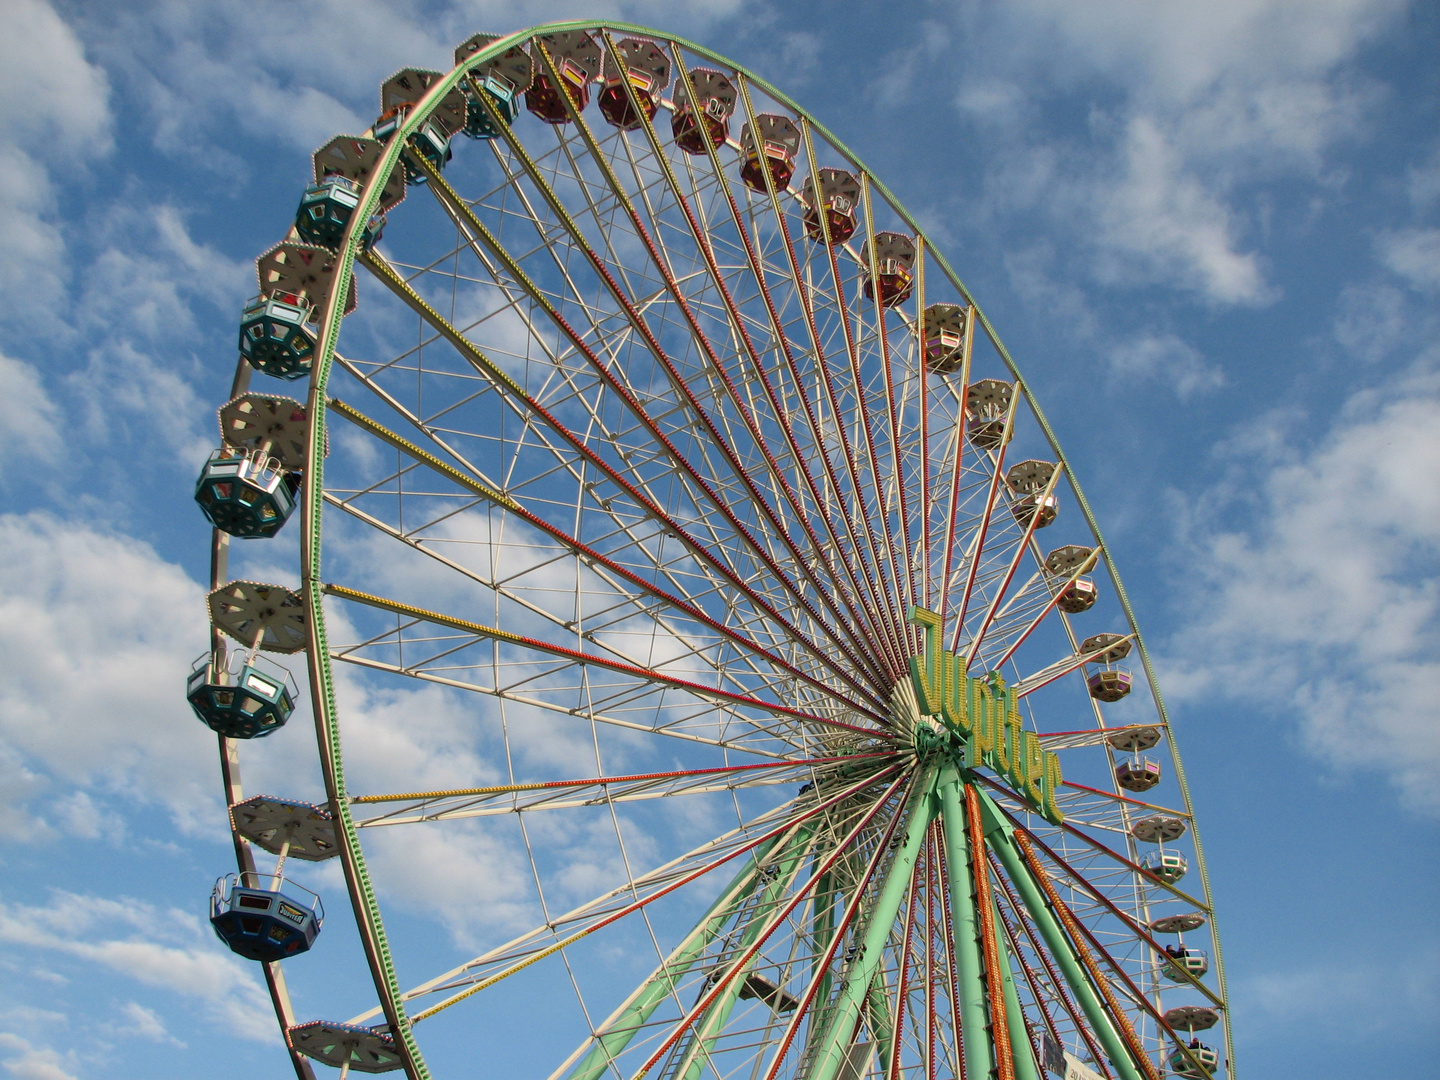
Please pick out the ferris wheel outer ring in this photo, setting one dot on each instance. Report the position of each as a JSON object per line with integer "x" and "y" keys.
{"x": 362, "y": 893}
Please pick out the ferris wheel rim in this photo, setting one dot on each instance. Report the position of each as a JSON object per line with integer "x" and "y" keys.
{"x": 322, "y": 679}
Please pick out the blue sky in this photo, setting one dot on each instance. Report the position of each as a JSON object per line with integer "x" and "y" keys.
{"x": 1209, "y": 234}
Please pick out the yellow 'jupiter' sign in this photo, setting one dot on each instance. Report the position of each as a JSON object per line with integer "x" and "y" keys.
{"x": 983, "y": 713}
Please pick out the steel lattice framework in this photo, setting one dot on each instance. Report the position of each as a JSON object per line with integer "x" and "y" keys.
{"x": 631, "y": 452}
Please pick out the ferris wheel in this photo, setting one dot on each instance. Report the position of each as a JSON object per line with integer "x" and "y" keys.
{"x": 661, "y": 440}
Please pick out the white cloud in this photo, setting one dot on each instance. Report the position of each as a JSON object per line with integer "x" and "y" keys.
{"x": 27, "y": 415}
{"x": 1414, "y": 254}
{"x": 1178, "y": 52}
{"x": 1169, "y": 359}
{"x": 18, "y": 786}
{"x": 96, "y": 634}
{"x": 126, "y": 395}
{"x": 52, "y": 96}
{"x": 166, "y": 949}
{"x": 468, "y": 874}
{"x": 1186, "y": 105}
{"x": 1328, "y": 606}
{"x": 1344, "y": 998}
{"x": 32, "y": 263}
{"x": 1370, "y": 320}
{"x": 223, "y": 66}
{"x": 30, "y": 1062}
{"x": 146, "y": 1023}
{"x": 1160, "y": 222}
{"x": 1147, "y": 354}
{"x": 142, "y": 283}
{"x": 54, "y": 111}
{"x": 1424, "y": 181}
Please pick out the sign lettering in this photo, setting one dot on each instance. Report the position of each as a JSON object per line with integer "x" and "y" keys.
{"x": 983, "y": 713}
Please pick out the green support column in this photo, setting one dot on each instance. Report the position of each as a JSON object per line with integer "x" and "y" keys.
{"x": 835, "y": 1045}
{"x": 997, "y": 831}
{"x": 709, "y": 1027}
{"x": 879, "y": 1001}
{"x": 974, "y": 1016}
{"x": 822, "y": 928}
{"x": 662, "y": 982}
{"x": 1020, "y": 1047}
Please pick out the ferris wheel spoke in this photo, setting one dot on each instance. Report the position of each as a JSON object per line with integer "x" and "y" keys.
{"x": 568, "y": 794}
{"x": 977, "y": 546}
{"x": 787, "y": 824}
{"x": 804, "y": 287}
{"x": 1056, "y": 985}
{"x": 731, "y": 974}
{"x": 773, "y": 325}
{"x": 1134, "y": 930}
{"x": 728, "y": 703}
{"x": 1060, "y": 668}
{"x": 762, "y": 660}
{"x": 601, "y": 632}
{"x": 760, "y": 277}
{"x": 882, "y": 601}
{"x": 611, "y": 702}
{"x": 756, "y": 940}
{"x": 1066, "y": 829}
{"x": 1077, "y": 928}
{"x": 955, "y": 456}
{"x": 1097, "y": 803}
{"x": 1057, "y": 590}
{"x": 671, "y": 526}
{"x": 861, "y": 413}
{"x": 978, "y": 635}
{"x": 617, "y": 292}
{"x": 801, "y": 515}
{"x": 712, "y": 497}
{"x": 898, "y": 487}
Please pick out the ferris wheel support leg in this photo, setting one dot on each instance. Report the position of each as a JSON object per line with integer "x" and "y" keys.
{"x": 786, "y": 866}
{"x": 1058, "y": 943}
{"x": 822, "y": 929}
{"x": 877, "y": 1013}
{"x": 662, "y": 983}
{"x": 973, "y": 1014}
{"x": 1020, "y": 1045}
{"x": 834, "y": 1047}
{"x": 879, "y": 1017}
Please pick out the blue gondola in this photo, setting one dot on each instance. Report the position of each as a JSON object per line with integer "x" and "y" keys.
{"x": 429, "y": 141}
{"x": 325, "y": 211}
{"x": 246, "y": 494}
{"x": 260, "y": 922}
{"x": 503, "y": 95}
{"x": 247, "y": 700}
{"x": 275, "y": 336}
